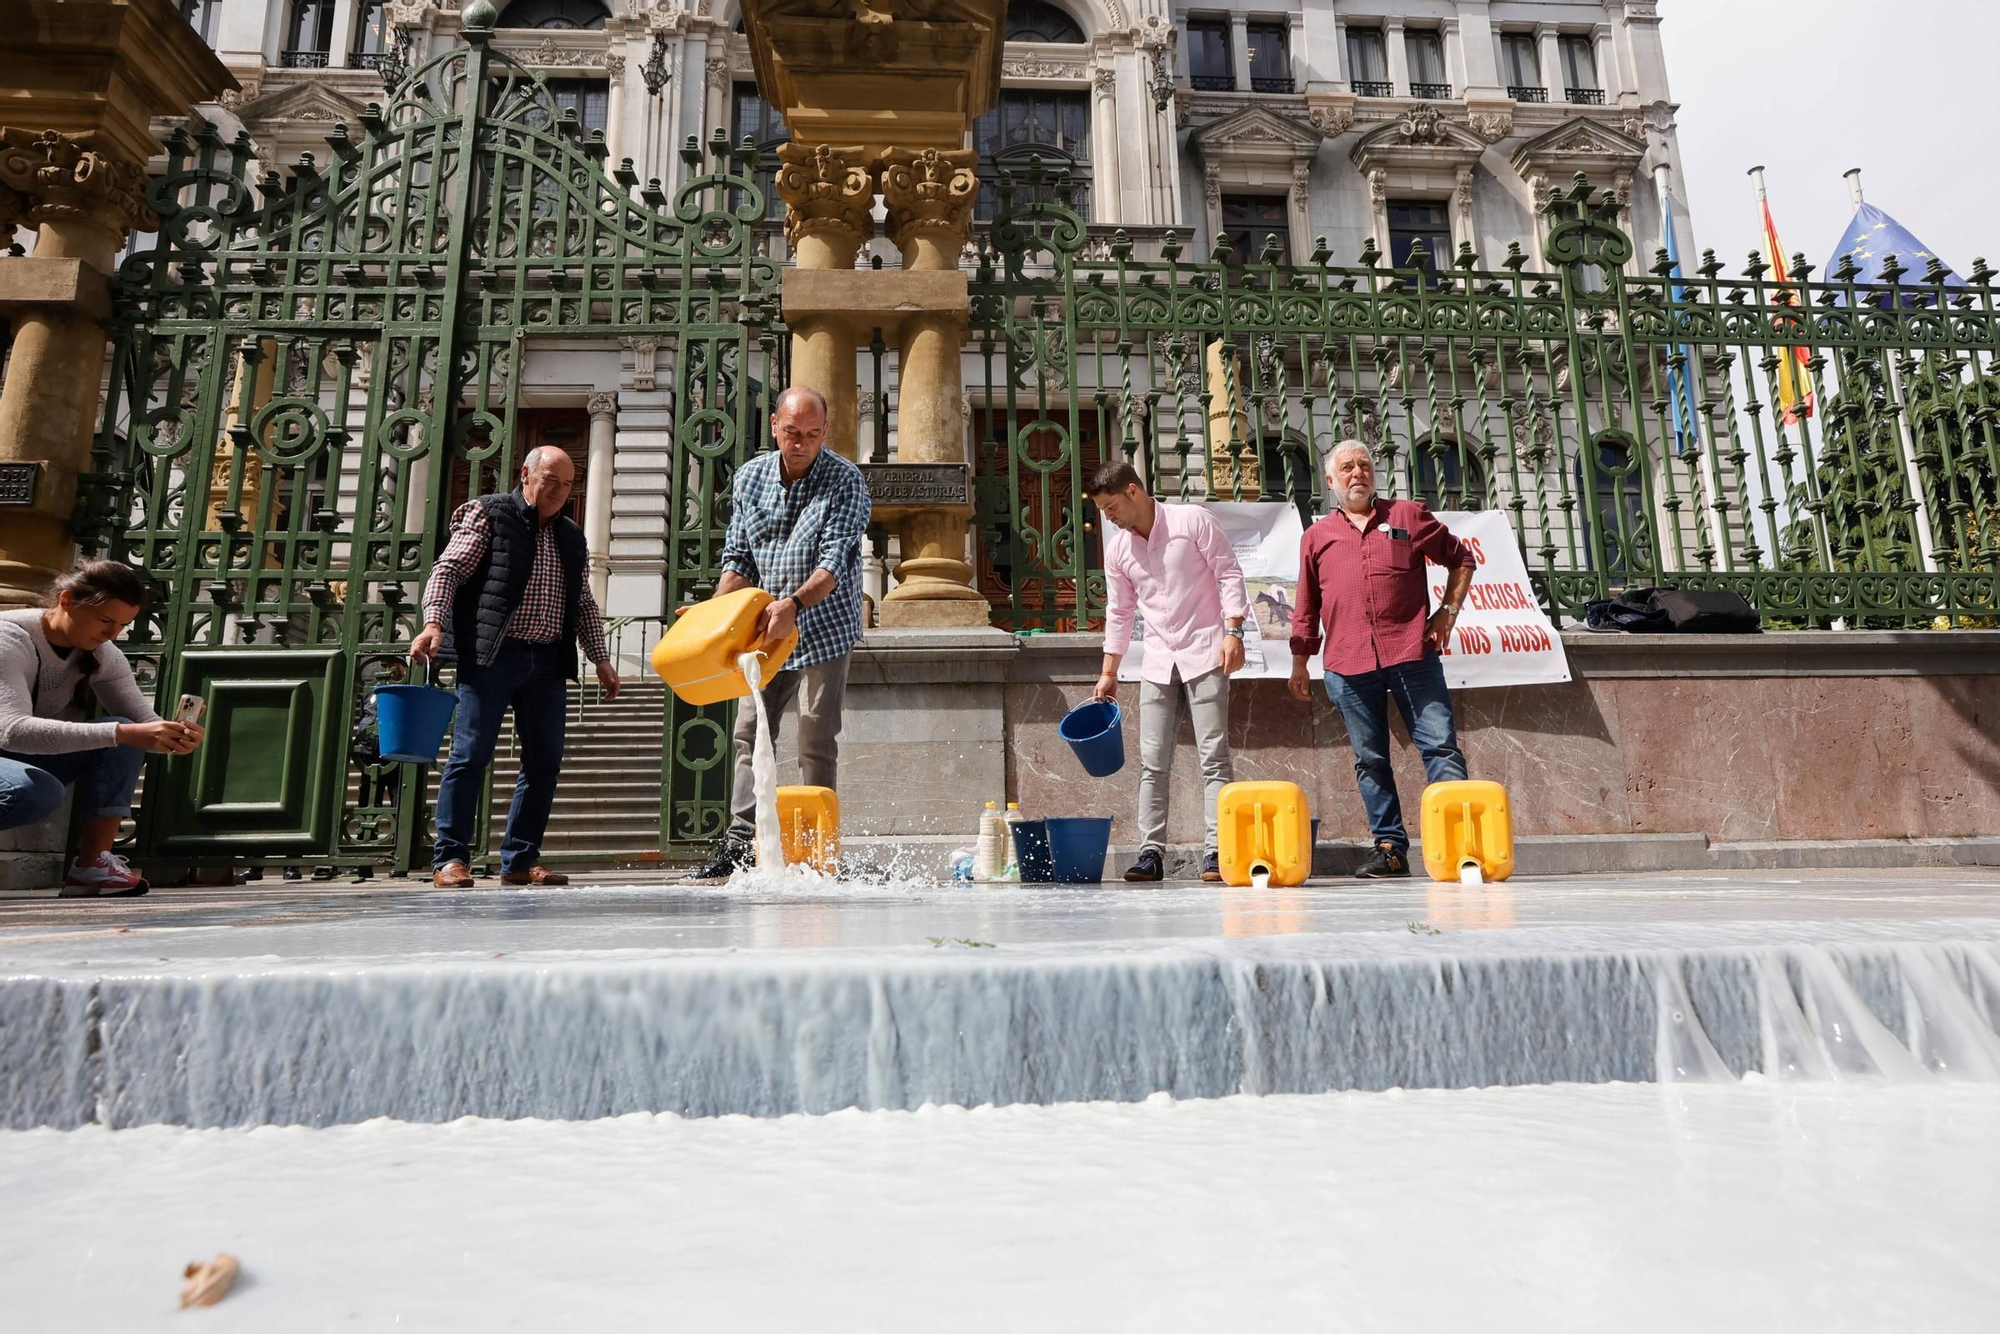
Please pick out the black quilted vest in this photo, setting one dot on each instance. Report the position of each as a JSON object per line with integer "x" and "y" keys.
{"x": 490, "y": 595}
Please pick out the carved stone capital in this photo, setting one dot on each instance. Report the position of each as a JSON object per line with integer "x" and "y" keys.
{"x": 929, "y": 190}
{"x": 602, "y": 405}
{"x": 825, "y": 189}
{"x": 63, "y": 178}
{"x": 1106, "y": 81}
{"x": 614, "y": 64}
{"x": 718, "y": 72}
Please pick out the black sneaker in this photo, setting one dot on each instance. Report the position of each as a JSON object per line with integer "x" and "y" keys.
{"x": 1387, "y": 863}
{"x": 1148, "y": 867}
{"x": 729, "y": 857}
{"x": 1211, "y": 868}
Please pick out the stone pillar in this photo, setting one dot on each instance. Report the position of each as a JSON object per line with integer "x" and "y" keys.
{"x": 81, "y": 202}
{"x": 85, "y": 80}
{"x": 1552, "y": 70}
{"x": 1239, "y": 49}
{"x": 929, "y": 193}
{"x": 829, "y": 197}
{"x": 1399, "y": 57}
{"x": 1107, "y": 201}
{"x": 597, "y": 490}
{"x": 614, "y": 111}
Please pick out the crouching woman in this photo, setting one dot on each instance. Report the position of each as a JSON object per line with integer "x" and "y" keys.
{"x": 51, "y": 658}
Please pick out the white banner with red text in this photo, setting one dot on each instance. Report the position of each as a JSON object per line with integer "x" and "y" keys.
{"x": 1503, "y": 637}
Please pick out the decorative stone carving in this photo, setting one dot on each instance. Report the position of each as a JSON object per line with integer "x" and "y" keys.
{"x": 1463, "y": 194}
{"x": 1301, "y": 183}
{"x": 60, "y": 178}
{"x": 1106, "y": 81}
{"x": 718, "y": 72}
{"x": 1331, "y": 121}
{"x": 929, "y": 190}
{"x": 1378, "y": 186}
{"x": 1042, "y": 67}
{"x": 410, "y": 13}
{"x": 825, "y": 189}
{"x": 614, "y": 64}
{"x": 1211, "y": 184}
{"x": 1492, "y": 126}
{"x": 664, "y": 16}
{"x": 1155, "y": 33}
{"x": 645, "y": 353}
{"x": 1422, "y": 124}
{"x": 602, "y": 405}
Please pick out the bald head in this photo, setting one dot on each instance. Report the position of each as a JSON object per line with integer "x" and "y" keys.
{"x": 547, "y": 476}
{"x": 798, "y": 424}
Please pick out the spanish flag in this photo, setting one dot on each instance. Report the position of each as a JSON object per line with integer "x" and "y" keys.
{"x": 1795, "y": 395}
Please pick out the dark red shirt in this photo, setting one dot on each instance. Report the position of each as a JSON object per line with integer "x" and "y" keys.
{"x": 1367, "y": 588}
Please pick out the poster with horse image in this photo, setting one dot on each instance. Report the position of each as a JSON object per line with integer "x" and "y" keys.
{"x": 1265, "y": 537}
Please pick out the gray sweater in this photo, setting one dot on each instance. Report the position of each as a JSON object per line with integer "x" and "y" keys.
{"x": 45, "y": 721}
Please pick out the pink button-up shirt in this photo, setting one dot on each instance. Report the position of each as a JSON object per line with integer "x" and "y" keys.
{"x": 1184, "y": 580}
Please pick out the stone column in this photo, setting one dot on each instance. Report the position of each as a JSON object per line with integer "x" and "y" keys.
{"x": 1552, "y": 70}
{"x": 829, "y": 197}
{"x": 81, "y": 203}
{"x": 597, "y": 476}
{"x": 929, "y": 193}
{"x": 1107, "y": 203}
{"x": 614, "y": 111}
{"x": 1399, "y": 57}
{"x": 1239, "y": 49}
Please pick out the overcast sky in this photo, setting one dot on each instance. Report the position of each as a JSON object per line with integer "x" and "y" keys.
{"x": 1903, "y": 89}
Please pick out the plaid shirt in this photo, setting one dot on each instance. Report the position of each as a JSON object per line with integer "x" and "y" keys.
{"x": 779, "y": 536}
{"x": 539, "y": 618}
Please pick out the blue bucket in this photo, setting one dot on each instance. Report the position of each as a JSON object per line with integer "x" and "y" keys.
{"x": 1077, "y": 845}
{"x": 410, "y": 722}
{"x": 1031, "y": 852}
{"x": 1095, "y": 732}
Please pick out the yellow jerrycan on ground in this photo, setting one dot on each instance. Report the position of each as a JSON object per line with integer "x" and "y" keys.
{"x": 1468, "y": 831}
{"x": 809, "y": 825}
{"x": 1264, "y": 827}
{"x": 697, "y": 656}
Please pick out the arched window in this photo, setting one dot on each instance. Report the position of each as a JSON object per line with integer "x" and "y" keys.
{"x": 1039, "y": 21}
{"x": 755, "y": 119}
{"x": 554, "y": 14}
{"x": 372, "y": 34}
{"x": 308, "y": 34}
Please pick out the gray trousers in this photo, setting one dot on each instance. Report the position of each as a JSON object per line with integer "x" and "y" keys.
{"x": 1207, "y": 698}
{"x": 819, "y": 690}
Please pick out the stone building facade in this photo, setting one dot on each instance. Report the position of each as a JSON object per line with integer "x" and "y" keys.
{"x": 1442, "y": 124}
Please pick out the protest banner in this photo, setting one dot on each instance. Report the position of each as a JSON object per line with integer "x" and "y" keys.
{"x": 1503, "y": 637}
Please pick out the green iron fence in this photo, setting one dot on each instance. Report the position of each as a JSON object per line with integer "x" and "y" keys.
{"x": 1553, "y": 396}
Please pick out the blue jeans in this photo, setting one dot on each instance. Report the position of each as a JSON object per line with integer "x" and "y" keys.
{"x": 534, "y": 680}
{"x": 31, "y": 786}
{"x": 1420, "y": 695}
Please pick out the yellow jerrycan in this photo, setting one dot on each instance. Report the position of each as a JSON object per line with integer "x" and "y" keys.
{"x": 697, "y": 656}
{"x": 1264, "y": 828}
{"x": 1468, "y": 831}
{"x": 809, "y": 825}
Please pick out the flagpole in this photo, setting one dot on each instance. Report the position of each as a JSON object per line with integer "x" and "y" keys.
{"x": 1662, "y": 180}
{"x": 1926, "y": 541}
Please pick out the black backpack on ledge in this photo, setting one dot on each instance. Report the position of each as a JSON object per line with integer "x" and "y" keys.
{"x": 1673, "y": 611}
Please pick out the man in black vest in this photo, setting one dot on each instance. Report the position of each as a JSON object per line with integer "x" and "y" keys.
{"x": 508, "y": 598}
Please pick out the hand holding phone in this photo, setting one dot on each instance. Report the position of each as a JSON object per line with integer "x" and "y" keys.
{"x": 190, "y": 709}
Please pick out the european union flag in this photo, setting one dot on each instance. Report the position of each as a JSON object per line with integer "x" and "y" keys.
{"x": 1871, "y": 238}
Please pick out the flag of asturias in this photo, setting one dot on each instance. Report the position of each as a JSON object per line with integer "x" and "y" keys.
{"x": 1795, "y": 395}
{"x": 1871, "y": 238}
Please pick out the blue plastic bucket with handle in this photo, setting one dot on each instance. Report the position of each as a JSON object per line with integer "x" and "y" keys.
{"x": 1095, "y": 731}
{"x": 1077, "y": 845}
{"x": 410, "y": 721}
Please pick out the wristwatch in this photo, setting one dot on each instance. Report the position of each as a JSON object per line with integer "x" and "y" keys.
{"x": 1233, "y": 631}
{"x": 1451, "y": 607}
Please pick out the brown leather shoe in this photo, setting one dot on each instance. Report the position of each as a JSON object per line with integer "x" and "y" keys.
{"x": 452, "y": 875}
{"x": 535, "y": 875}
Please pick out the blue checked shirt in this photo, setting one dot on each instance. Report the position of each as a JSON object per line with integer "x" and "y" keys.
{"x": 779, "y": 536}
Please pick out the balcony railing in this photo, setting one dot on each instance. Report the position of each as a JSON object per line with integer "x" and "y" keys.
{"x": 1585, "y": 97}
{"x": 367, "y": 59}
{"x": 1212, "y": 83}
{"x": 304, "y": 59}
{"x": 1524, "y": 94}
{"x": 1275, "y": 83}
{"x": 1434, "y": 91}
{"x": 1374, "y": 88}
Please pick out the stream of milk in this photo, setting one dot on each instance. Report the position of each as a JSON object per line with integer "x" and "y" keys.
{"x": 763, "y": 768}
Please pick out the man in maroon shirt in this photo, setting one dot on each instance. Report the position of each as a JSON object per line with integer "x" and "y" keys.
{"x": 1361, "y": 575}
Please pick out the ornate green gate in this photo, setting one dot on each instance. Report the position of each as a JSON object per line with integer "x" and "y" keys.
{"x": 309, "y": 373}
{"x": 1631, "y": 426}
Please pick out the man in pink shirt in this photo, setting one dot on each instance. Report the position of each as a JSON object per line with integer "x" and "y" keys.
{"x": 1361, "y": 572}
{"x": 1174, "y": 564}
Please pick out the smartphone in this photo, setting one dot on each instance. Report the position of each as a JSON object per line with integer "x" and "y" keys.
{"x": 189, "y": 710}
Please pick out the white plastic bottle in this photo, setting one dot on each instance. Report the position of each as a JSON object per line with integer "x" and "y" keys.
{"x": 988, "y": 860}
{"x": 1012, "y": 870}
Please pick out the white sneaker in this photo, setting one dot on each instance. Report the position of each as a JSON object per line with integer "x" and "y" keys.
{"x": 109, "y": 877}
